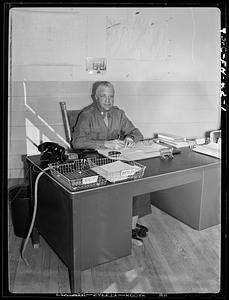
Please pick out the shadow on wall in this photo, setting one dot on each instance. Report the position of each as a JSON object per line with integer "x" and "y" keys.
{"x": 41, "y": 130}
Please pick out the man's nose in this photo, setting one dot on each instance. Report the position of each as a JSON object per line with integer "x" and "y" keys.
{"x": 107, "y": 100}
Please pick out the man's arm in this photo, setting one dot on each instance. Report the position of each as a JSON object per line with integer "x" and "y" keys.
{"x": 129, "y": 129}
{"x": 82, "y": 135}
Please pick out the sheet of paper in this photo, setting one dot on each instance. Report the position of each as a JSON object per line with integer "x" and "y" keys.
{"x": 116, "y": 171}
{"x": 139, "y": 151}
{"x": 212, "y": 149}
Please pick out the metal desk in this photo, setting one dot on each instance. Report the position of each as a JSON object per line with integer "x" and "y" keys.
{"x": 93, "y": 226}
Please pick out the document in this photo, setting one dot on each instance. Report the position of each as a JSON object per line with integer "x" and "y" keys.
{"x": 212, "y": 149}
{"x": 140, "y": 150}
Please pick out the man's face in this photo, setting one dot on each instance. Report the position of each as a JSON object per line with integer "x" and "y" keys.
{"x": 105, "y": 97}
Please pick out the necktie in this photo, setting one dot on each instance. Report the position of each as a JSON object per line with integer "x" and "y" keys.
{"x": 106, "y": 119}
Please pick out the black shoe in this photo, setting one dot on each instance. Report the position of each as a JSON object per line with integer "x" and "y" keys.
{"x": 141, "y": 232}
{"x": 135, "y": 235}
{"x": 143, "y": 227}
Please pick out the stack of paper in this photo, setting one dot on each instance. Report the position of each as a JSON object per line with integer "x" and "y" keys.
{"x": 173, "y": 140}
{"x": 170, "y": 137}
{"x": 116, "y": 171}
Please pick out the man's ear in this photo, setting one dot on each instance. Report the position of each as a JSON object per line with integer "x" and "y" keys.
{"x": 93, "y": 97}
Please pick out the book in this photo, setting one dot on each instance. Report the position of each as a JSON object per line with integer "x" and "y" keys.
{"x": 170, "y": 137}
{"x": 177, "y": 144}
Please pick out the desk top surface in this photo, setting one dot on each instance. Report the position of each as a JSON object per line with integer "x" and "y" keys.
{"x": 185, "y": 160}
{"x": 182, "y": 162}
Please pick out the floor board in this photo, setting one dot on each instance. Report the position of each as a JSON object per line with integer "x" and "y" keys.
{"x": 174, "y": 259}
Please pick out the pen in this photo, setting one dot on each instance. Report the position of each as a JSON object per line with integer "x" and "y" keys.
{"x": 120, "y": 139}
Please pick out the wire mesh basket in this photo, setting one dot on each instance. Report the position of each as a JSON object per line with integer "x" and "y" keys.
{"x": 115, "y": 170}
{"x": 76, "y": 175}
{"x": 94, "y": 172}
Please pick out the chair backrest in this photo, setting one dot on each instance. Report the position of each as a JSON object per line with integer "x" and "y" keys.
{"x": 69, "y": 118}
{"x": 72, "y": 118}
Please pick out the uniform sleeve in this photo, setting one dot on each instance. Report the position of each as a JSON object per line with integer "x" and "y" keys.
{"x": 129, "y": 129}
{"x": 82, "y": 136}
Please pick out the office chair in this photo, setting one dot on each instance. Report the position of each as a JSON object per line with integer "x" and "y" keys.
{"x": 69, "y": 118}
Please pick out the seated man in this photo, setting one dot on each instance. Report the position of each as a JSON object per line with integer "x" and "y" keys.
{"x": 103, "y": 125}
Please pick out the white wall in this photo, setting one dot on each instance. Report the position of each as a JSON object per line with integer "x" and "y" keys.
{"x": 164, "y": 63}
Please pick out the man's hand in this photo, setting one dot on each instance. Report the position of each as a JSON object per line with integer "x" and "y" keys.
{"x": 114, "y": 144}
{"x": 129, "y": 142}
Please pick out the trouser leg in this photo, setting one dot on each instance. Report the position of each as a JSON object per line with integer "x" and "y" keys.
{"x": 142, "y": 205}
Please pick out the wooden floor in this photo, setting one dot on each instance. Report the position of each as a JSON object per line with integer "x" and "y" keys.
{"x": 174, "y": 259}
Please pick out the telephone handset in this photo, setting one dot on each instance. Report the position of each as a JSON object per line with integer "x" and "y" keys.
{"x": 52, "y": 152}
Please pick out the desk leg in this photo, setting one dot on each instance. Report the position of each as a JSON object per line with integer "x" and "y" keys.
{"x": 75, "y": 280}
{"x": 75, "y": 269}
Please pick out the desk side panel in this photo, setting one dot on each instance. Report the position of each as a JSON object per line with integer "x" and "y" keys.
{"x": 105, "y": 221}
{"x": 210, "y": 204}
{"x": 54, "y": 218}
{"x": 182, "y": 202}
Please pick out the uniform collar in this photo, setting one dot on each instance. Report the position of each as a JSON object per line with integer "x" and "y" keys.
{"x": 101, "y": 112}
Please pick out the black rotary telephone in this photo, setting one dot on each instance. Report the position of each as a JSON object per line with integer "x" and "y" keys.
{"x": 52, "y": 152}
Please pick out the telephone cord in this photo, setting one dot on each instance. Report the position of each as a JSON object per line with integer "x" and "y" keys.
{"x": 33, "y": 217}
